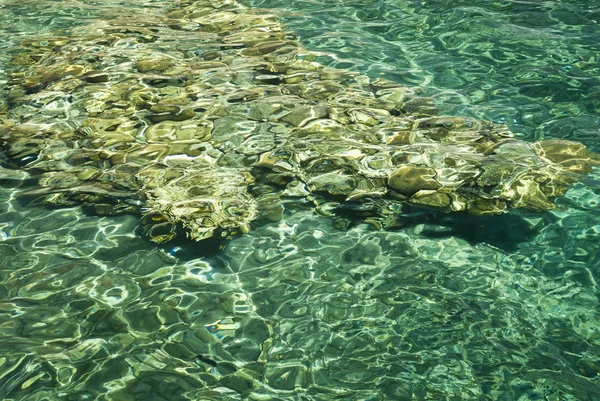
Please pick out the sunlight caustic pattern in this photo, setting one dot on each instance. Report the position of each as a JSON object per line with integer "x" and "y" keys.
{"x": 211, "y": 115}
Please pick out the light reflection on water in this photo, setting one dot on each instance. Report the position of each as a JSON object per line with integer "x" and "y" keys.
{"x": 441, "y": 307}
{"x": 532, "y": 65}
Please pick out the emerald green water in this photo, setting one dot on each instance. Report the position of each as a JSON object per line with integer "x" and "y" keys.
{"x": 441, "y": 307}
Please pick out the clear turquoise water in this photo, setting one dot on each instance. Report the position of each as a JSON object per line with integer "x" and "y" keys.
{"x": 530, "y": 64}
{"x": 310, "y": 307}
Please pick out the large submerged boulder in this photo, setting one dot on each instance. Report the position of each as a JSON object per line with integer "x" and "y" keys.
{"x": 205, "y": 115}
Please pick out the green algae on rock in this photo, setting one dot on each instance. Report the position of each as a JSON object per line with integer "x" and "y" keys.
{"x": 182, "y": 114}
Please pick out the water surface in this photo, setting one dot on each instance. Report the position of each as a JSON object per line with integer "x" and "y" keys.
{"x": 313, "y": 307}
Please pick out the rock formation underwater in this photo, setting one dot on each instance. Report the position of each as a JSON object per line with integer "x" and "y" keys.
{"x": 209, "y": 115}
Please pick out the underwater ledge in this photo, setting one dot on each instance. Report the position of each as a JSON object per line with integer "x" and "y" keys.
{"x": 211, "y": 116}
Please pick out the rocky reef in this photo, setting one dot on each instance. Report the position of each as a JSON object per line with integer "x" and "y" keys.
{"x": 208, "y": 115}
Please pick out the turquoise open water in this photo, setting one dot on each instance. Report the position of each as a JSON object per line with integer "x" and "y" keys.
{"x": 443, "y": 307}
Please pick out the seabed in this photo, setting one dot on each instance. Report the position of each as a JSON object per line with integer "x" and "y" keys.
{"x": 209, "y": 120}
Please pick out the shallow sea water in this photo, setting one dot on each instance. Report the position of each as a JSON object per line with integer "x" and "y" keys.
{"x": 440, "y": 307}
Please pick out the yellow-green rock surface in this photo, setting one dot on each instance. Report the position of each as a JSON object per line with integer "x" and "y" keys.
{"x": 185, "y": 115}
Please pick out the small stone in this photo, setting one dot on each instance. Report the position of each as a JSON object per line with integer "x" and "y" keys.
{"x": 168, "y": 131}
{"x": 420, "y": 106}
{"x": 262, "y": 110}
{"x": 154, "y": 64}
{"x": 408, "y": 180}
{"x": 362, "y": 117}
{"x": 14, "y": 94}
{"x": 268, "y": 79}
{"x": 335, "y": 183}
{"x": 433, "y": 199}
{"x": 303, "y": 114}
{"x": 208, "y": 65}
{"x": 87, "y": 174}
{"x": 95, "y": 77}
{"x": 401, "y": 138}
{"x": 37, "y": 82}
{"x": 172, "y": 116}
{"x": 332, "y": 73}
{"x": 265, "y": 48}
{"x": 165, "y": 108}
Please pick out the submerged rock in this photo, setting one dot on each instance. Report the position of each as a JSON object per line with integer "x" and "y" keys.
{"x": 184, "y": 113}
